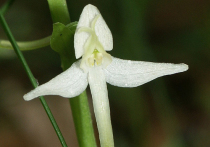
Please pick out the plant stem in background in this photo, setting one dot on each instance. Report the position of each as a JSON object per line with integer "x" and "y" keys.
{"x": 83, "y": 121}
{"x": 26, "y": 45}
{"x": 79, "y": 105}
{"x": 59, "y": 11}
{"x": 6, "y": 6}
{"x": 31, "y": 77}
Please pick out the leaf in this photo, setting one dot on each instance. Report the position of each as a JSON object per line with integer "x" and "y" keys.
{"x": 62, "y": 42}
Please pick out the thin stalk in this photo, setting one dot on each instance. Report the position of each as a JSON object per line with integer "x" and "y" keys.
{"x": 6, "y": 6}
{"x": 26, "y": 45}
{"x": 82, "y": 120}
{"x": 59, "y": 11}
{"x": 31, "y": 77}
{"x": 79, "y": 105}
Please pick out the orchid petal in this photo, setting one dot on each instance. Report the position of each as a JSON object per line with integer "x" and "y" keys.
{"x": 70, "y": 83}
{"x": 99, "y": 93}
{"x": 100, "y": 27}
{"x": 126, "y": 73}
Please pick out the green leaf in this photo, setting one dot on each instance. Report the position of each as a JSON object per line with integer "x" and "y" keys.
{"x": 62, "y": 41}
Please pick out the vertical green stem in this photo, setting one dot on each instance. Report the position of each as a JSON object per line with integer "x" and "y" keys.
{"x": 59, "y": 11}
{"x": 82, "y": 120}
{"x": 79, "y": 105}
{"x": 6, "y": 6}
{"x": 31, "y": 77}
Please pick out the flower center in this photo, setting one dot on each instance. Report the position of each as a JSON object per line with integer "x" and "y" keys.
{"x": 94, "y": 53}
{"x": 95, "y": 58}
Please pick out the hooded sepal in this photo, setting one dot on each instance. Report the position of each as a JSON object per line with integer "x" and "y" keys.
{"x": 100, "y": 27}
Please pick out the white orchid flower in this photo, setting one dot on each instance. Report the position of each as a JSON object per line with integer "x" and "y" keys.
{"x": 91, "y": 41}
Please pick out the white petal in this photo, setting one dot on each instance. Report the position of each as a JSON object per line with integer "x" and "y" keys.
{"x": 70, "y": 83}
{"x": 126, "y": 73}
{"x": 102, "y": 31}
{"x": 99, "y": 93}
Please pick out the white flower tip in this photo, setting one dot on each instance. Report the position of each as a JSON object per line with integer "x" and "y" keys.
{"x": 89, "y": 6}
{"x": 28, "y": 96}
{"x": 38, "y": 91}
{"x": 183, "y": 67}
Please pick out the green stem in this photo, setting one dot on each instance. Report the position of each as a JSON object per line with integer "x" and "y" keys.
{"x": 82, "y": 120}
{"x": 59, "y": 11}
{"x": 79, "y": 105}
{"x": 31, "y": 77}
{"x": 27, "y": 45}
{"x": 6, "y": 6}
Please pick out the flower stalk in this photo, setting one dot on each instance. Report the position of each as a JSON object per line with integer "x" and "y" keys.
{"x": 59, "y": 11}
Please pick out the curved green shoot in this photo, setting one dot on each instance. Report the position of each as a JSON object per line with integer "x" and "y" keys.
{"x": 26, "y": 45}
{"x": 35, "y": 44}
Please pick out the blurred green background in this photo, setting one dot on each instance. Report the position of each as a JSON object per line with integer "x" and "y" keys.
{"x": 172, "y": 111}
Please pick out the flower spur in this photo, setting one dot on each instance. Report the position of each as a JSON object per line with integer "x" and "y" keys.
{"x": 91, "y": 41}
